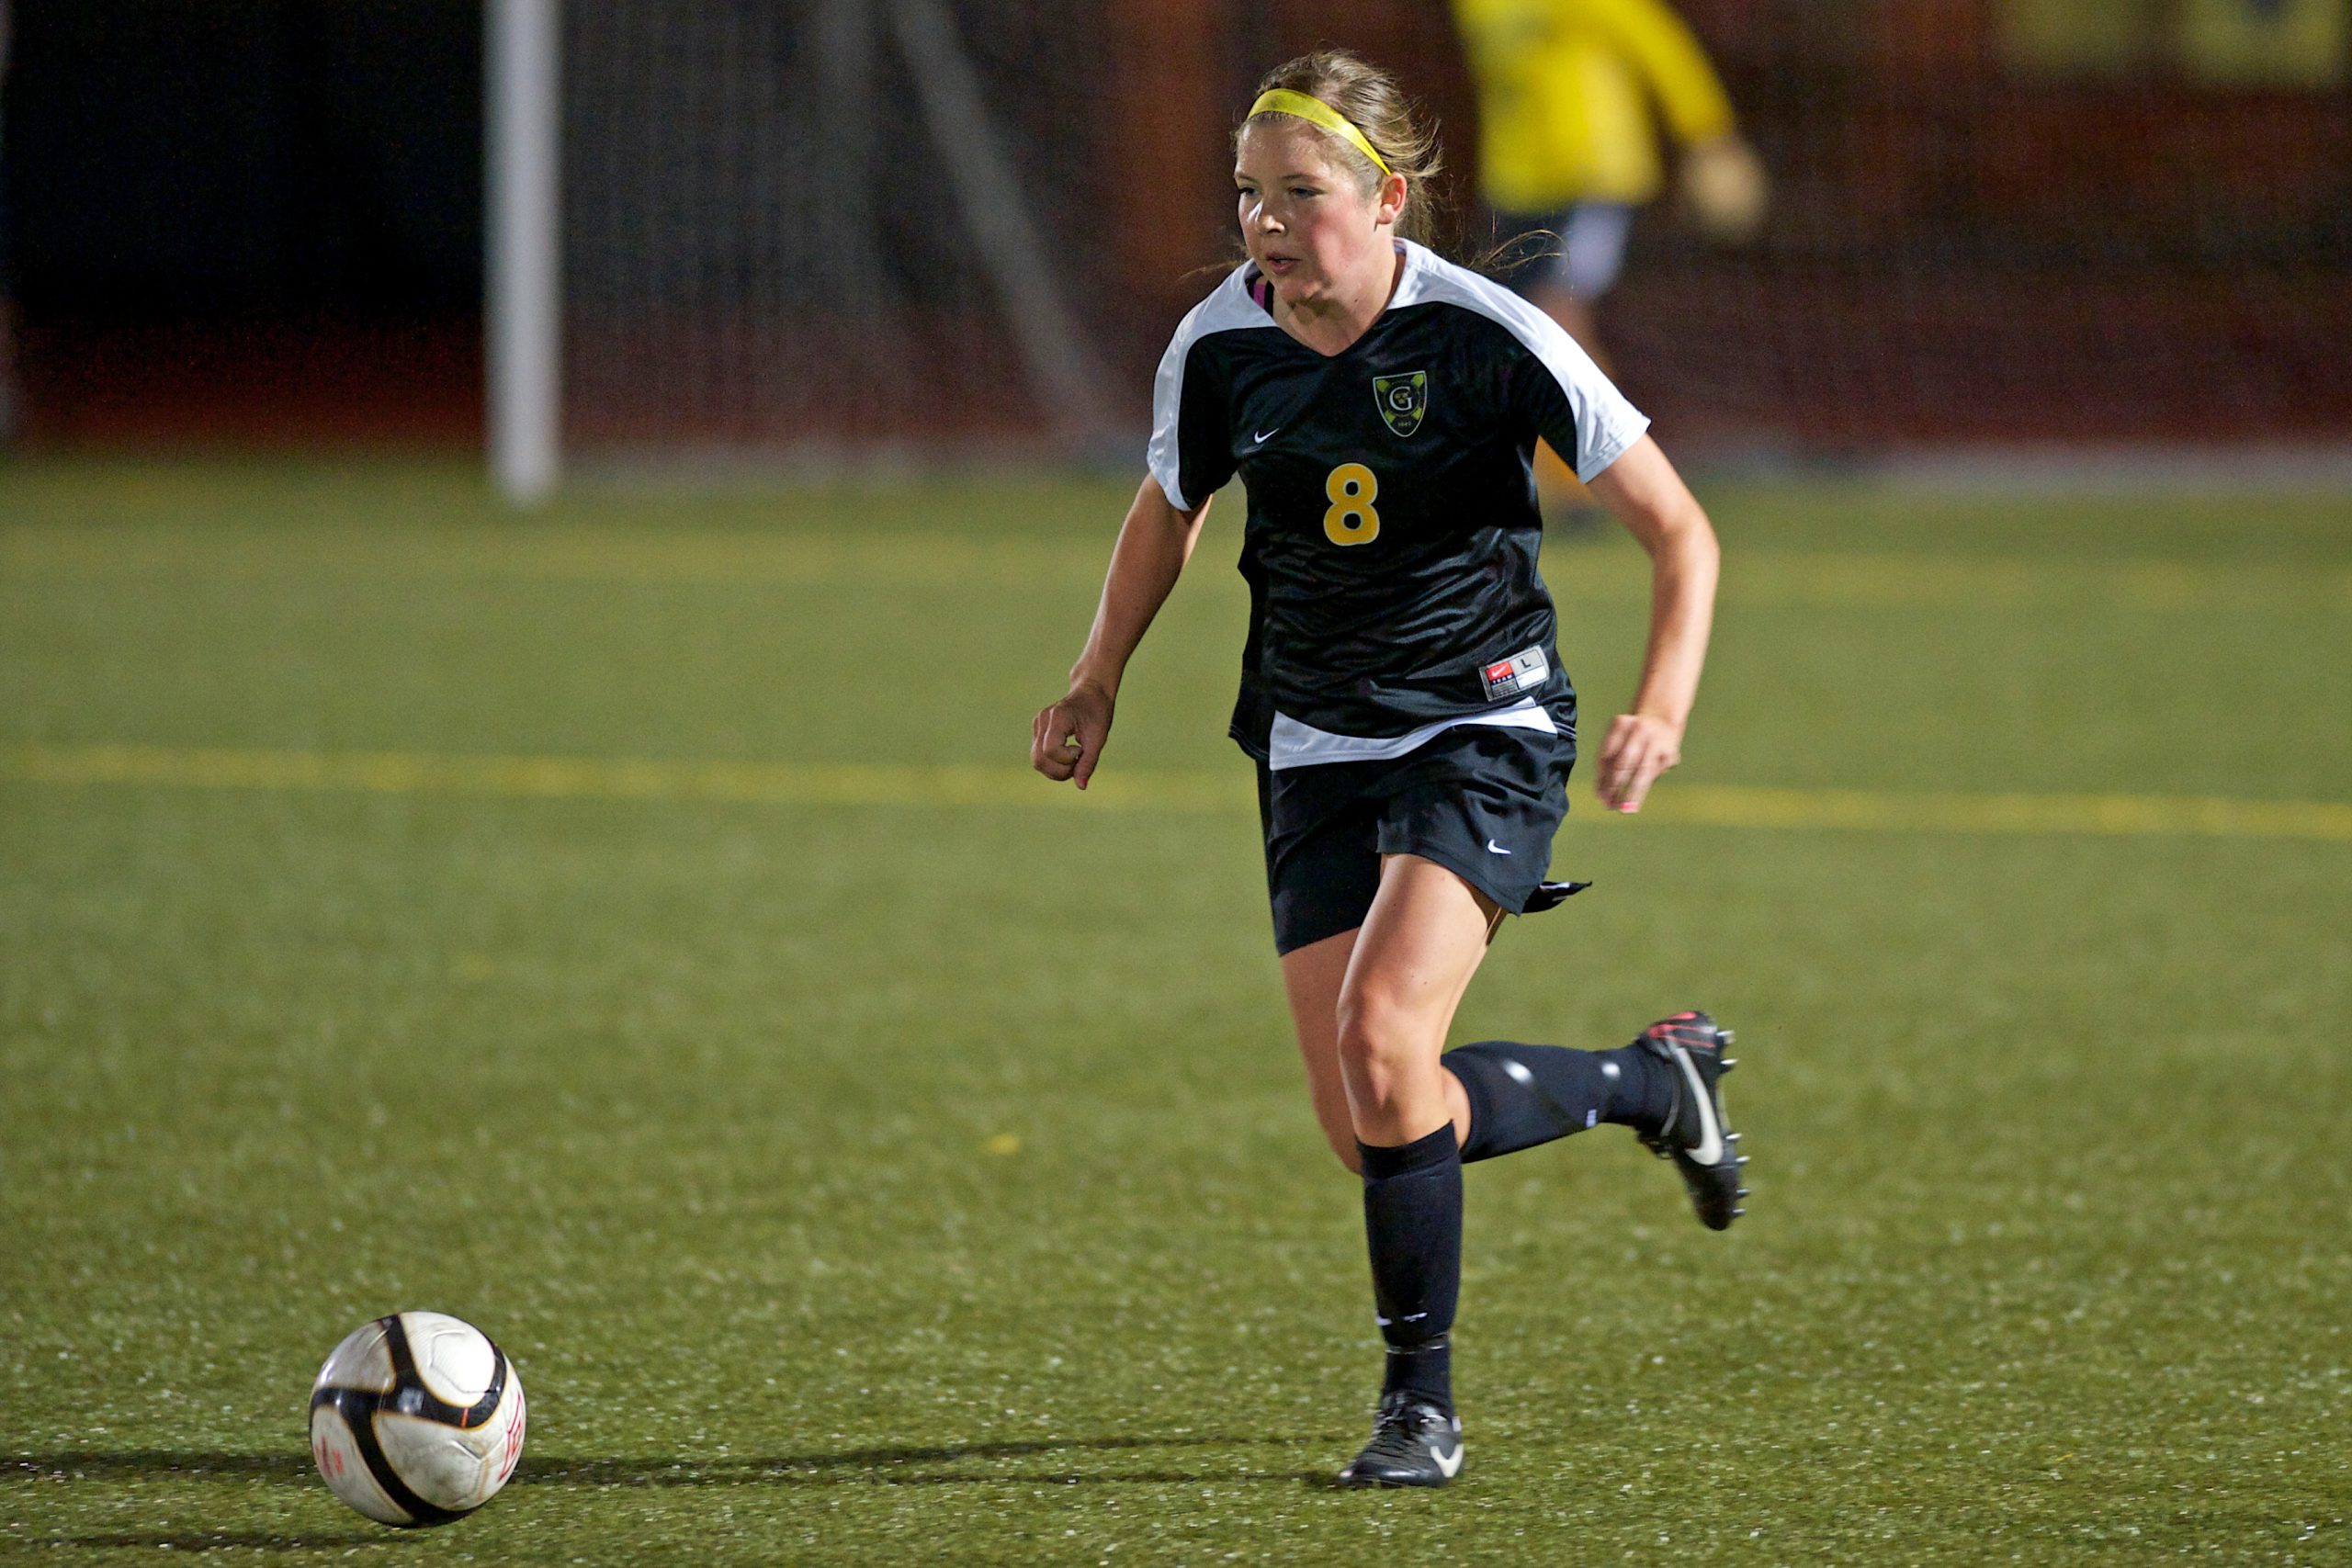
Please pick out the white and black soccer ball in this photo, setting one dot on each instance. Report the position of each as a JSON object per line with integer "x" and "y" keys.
{"x": 417, "y": 1419}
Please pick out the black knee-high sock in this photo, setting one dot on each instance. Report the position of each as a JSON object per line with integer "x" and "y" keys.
{"x": 1412, "y": 1217}
{"x": 1524, "y": 1095}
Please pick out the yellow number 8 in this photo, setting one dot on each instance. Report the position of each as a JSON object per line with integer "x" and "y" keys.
{"x": 1351, "y": 519}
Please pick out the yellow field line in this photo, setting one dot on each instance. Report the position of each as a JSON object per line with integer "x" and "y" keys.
{"x": 891, "y": 785}
{"x": 608, "y": 778}
{"x": 1726, "y": 806}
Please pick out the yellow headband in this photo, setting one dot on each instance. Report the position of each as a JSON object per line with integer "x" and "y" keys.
{"x": 1315, "y": 111}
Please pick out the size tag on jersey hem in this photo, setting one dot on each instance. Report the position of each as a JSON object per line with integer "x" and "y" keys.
{"x": 1522, "y": 672}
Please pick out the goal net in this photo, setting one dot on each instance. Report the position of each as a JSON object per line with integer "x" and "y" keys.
{"x": 809, "y": 229}
{"x": 829, "y": 226}
{"x": 2109, "y": 222}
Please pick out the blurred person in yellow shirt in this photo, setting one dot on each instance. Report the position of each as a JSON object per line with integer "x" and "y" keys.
{"x": 1569, "y": 95}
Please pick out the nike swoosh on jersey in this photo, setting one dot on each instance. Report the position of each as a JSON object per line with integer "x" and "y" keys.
{"x": 1494, "y": 849}
{"x": 1262, "y": 437}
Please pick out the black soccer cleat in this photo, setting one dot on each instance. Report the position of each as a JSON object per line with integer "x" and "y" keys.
{"x": 1696, "y": 1137}
{"x": 1413, "y": 1444}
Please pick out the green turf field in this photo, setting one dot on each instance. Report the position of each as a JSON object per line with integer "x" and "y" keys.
{"x": 631, "y": 929}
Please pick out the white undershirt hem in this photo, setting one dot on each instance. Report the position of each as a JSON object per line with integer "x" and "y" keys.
{"x": 1296, "y": 745}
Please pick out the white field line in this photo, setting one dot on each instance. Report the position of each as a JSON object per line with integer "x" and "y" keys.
{"x": 876, "y": 784}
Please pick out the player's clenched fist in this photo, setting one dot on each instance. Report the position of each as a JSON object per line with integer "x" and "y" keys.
{"x": 1066, "y": 739}
{"x": 1639, "y": 748}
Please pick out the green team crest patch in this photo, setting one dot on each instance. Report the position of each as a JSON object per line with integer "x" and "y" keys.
{"x": 1403, "y": 400}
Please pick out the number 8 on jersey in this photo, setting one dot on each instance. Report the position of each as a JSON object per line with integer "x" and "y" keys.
{"x": 1351, "y": 520}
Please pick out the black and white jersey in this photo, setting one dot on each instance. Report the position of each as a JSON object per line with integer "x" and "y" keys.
{"x": 1393, "y": 529}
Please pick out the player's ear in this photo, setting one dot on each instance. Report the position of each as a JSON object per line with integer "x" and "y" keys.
{"x": 1392, "y": 198}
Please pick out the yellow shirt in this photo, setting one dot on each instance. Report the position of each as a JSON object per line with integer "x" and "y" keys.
{"x": 1562, "y": 89}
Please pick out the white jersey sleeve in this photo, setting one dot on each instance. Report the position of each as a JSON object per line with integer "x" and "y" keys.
{"x": 1191, "y": 452}
{"x": 1560, "y": 391}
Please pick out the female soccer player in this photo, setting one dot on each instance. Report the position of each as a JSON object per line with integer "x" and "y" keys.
{"x": 1400, "y": 690}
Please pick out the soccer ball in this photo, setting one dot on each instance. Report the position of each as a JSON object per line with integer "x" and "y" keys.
{"x": 417, "y": 1419}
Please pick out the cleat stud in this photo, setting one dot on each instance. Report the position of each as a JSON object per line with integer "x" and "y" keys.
{"x": 1744, "y": 1159}
{"x": 1727, "y": 1035}
{"x": 1731, "y": 1137}
{"x": 1741, "y": 1194}
{"x": 1736, "y": 1212}
{"x": 1730, "y": 1062}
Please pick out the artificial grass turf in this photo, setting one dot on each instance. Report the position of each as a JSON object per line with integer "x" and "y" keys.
{"x": 699, "y": 1108}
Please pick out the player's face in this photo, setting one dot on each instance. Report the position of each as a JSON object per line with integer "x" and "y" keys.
{"x": 1310, "y": 225}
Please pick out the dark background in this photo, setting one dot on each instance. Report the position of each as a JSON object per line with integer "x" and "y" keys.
{"x": 222, "y": 213}
{"x": 259, "y": 222}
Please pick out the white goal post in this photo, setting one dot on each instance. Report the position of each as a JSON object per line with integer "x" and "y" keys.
{"x": 783, "y": 233}
{"x": 522, "y": 281}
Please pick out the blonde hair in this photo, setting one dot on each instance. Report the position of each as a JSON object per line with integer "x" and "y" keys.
{"x": 1404, "y": 136}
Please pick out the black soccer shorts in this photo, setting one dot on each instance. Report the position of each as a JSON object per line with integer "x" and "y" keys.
{"x": 1480, "y": 800}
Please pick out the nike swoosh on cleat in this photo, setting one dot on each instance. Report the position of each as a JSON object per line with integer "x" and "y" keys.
{"x": 1447, "y": 1467}
{"x": 1711, "y": 1145}
{"x": 1494, "y": 849}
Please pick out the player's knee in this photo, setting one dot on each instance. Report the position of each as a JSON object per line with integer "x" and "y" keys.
{"x": 1379, "y": 1048}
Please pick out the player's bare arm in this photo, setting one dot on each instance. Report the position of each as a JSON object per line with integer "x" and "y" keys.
{"x": 1066, "y": 738}
{"x": 1658, "y": 509}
